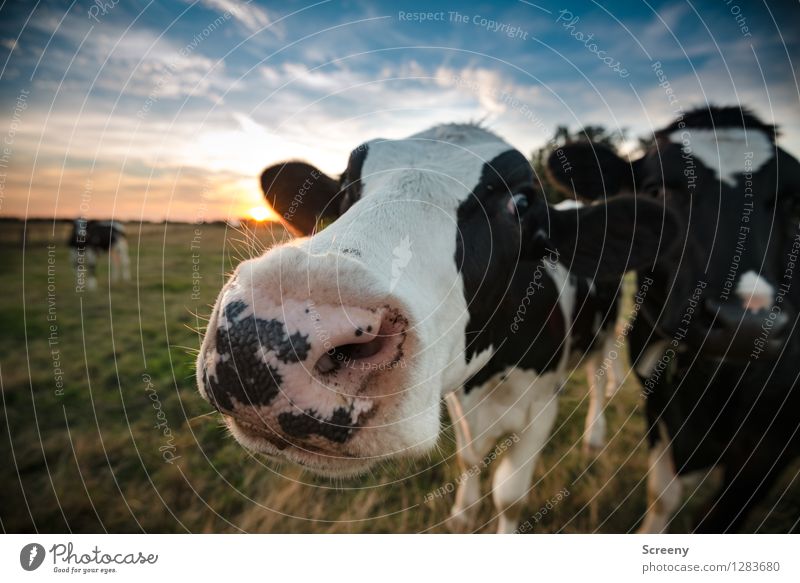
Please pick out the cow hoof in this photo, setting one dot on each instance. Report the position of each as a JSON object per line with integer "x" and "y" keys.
{"x": 458, "y": 522}
{"x": 592, "y": 449}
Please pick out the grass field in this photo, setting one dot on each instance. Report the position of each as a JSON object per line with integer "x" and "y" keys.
{"x": 103, "y": 428}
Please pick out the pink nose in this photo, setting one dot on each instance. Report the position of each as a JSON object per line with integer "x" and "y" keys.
{"x": 300, "y": 369}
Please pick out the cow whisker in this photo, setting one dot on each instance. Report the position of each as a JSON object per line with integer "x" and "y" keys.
{"x": 201, "y": 416}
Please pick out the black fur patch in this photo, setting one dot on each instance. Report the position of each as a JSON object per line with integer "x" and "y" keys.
{"x": 339, "y": 428}
{"x": 241, "y": 372}
{"x": 486, "y": 249}
{"x": 98, "y": 235}
{"x": 351, "y": 186}
{"x": 497, "y": 281}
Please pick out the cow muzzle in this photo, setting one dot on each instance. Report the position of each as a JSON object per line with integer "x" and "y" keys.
{"x": 305, "y": 381}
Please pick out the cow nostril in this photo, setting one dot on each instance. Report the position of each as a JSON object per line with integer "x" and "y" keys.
{"x": 357, "y": 351}
{"x": 348, "y": 354}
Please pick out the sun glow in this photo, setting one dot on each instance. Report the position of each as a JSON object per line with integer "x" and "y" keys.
{"x": 263, "y": 213}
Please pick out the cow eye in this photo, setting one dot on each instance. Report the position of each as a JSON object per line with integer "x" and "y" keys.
{"x": 518, "y": 204}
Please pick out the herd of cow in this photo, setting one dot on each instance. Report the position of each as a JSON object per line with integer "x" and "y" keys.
{"x": 443, "y": 273}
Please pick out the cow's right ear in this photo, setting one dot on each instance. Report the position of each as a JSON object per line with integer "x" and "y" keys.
{"x": 303, "y": 196}
{"x": 589, "y": 171}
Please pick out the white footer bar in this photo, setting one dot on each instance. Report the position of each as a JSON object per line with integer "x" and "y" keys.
{"x": 354, "y": 558}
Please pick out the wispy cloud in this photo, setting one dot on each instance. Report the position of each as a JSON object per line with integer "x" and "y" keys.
{"x": 251, "y": 16}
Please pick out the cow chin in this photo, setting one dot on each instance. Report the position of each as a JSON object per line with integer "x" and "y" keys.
{"x": 410, "y": 438}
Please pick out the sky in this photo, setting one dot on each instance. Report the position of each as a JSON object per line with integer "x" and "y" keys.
{"x": 170, "y": 110}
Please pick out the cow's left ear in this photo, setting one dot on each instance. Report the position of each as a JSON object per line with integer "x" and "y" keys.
{"x": 304, "y": 196}
{"x": 603, "y": 241}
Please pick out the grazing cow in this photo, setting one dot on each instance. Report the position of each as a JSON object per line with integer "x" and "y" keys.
{"x": 90, "y": 238}
{"x": 714, "y": 344}
{"x": 334, "y": 351}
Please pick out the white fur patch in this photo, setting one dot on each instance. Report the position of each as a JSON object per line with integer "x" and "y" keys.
{"x": 755, "y": 292}
{"x": 664, "y": 487}
{"x": 652, "y": 354}
{"x": 568, "y": 204}
{"x": 727, "y": 151}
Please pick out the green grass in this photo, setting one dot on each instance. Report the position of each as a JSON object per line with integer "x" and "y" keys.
{"x": 87, "y": 459}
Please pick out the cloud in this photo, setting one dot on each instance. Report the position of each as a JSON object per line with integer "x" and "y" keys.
{"x": 289, "y": 108}
{"x": 252, "y": 17}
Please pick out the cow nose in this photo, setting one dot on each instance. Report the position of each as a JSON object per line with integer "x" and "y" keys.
{"x": 298, "y": 356}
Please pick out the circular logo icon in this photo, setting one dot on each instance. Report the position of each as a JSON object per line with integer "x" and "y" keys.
{"x": 31, "y": 556}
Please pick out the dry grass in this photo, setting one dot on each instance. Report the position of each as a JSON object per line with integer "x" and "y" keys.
{"x": 89, "y": 460}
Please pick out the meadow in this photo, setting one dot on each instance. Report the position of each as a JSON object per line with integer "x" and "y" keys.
{"x": 103, "y": 429}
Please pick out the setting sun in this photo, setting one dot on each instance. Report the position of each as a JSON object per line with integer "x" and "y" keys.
{"x": 262, "y": 213}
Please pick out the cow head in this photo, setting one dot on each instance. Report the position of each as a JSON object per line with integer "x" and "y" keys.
{"x": 738, "y": 196}
{"x": 334, "y": 350}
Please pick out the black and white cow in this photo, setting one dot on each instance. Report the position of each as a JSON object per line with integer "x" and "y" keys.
{"x": 334, "y": 351}
{"x": 88, "y": 240}
{"x": 715, "y": 342}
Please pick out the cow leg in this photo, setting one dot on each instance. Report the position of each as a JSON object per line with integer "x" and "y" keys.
{"x": 120, "y": 260}
{"x": 91, "y": 268}
{"x": 512, "y": 478}
{"x": 113, "y": 255}
{"x": 124, "y": 258}
{"x": 73, "y": 255}
{"x": 616, "y": 372}
{"x": 472, "y": 443}
{"x": 664, "y": 488}
{"x": 594, "y": 436}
